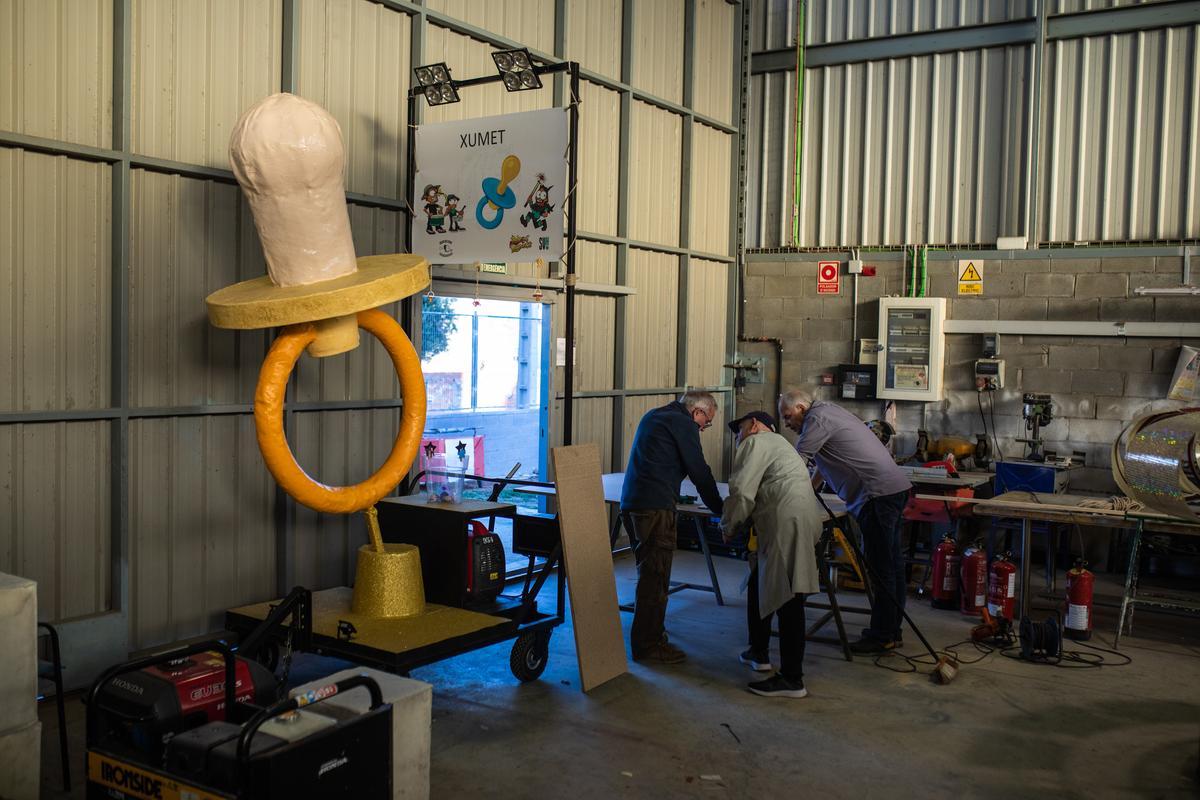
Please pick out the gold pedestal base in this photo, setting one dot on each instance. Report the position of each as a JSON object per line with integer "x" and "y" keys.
{"x": 388, "y": 585}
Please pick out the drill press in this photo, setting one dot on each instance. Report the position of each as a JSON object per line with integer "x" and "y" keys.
{"x": 1038, "y": 410}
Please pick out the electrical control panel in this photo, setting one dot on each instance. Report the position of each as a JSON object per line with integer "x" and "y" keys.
{"x": 989, "y": 374}
{"x": 912, "y": 348}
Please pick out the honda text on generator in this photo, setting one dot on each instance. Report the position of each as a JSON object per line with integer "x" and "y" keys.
{"x": 202, "y": 723}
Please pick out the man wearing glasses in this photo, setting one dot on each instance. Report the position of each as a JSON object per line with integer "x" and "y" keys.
{"x": 666, "y": 448}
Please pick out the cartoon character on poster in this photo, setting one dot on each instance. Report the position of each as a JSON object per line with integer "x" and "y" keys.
{"x": 434, "y": 217}
{"x": 538, "y": 204}
{"x": 454, "y": 212}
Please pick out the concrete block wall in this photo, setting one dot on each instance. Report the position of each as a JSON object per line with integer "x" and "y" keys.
{"x": 1099, "y": 384}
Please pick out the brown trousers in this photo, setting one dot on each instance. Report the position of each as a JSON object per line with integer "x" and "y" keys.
{"x": 653, "y": 537}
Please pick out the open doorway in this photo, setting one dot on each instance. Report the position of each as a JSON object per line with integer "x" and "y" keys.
{"x": 487, "y": 380}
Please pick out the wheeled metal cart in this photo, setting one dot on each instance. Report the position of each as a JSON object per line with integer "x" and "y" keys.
{"x": 453, "y": 624}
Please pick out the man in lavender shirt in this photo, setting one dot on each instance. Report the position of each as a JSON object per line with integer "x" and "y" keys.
{"x": 841, "y": 450}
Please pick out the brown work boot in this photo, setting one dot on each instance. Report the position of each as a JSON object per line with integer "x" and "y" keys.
{"x": 663, "y": 653}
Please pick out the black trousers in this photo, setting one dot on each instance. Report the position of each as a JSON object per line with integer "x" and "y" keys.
{"x": 653, "y": 536}
{"x": 791, "y": 631}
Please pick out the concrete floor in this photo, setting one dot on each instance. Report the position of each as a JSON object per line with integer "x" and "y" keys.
{"x": 1004, "y": 728}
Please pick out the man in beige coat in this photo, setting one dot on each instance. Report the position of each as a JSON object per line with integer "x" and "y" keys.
{"x": 770, "y": 484}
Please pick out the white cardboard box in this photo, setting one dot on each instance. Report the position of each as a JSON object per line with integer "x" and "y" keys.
{"x": 21, "y": 762}
{"x": 18, "y": 642}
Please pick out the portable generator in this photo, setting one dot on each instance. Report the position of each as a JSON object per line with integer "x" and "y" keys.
{"x": 247, "y": 751}
{"x": 485, "y": 563}
{"x": 144, "y": 708}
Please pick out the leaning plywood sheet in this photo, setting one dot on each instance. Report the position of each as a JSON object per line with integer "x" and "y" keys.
{"x": 588, "y": 556}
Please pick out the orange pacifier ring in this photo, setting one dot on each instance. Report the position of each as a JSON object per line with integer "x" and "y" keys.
{"x": 268, "y": 417}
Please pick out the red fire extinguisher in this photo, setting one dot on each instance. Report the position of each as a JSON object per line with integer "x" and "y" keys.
{"x": 1078, "y": 624}
{"x": 973, "y": 583}
{"x": 1002, "y": 587}
{"x": 945, "y": 574}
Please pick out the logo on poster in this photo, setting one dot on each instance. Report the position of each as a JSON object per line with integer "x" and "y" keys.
{"x": 828, "y": 277}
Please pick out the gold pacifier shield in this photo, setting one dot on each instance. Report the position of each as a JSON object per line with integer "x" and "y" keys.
{"x": 259, "y": 303}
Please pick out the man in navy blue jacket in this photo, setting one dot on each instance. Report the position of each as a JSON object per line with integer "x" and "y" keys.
{"x": 666, "y": 448}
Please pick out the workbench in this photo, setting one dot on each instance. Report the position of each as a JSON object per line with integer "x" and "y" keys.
{"x": 614, "y": 482}
{"x": 1068, "y": 508}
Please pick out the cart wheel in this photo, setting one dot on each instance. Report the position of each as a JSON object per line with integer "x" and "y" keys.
{"x": 530, "y": 652}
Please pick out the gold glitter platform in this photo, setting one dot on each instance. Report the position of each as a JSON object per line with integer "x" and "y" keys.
{"x": 400, "y": 635}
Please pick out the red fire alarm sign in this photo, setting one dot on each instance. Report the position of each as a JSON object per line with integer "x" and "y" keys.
{"x": 828, "y": 277}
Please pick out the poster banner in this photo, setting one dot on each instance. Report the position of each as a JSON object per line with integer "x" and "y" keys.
{"x": 491, "y": 188}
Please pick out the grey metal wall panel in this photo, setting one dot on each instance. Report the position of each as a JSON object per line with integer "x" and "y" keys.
{"x": 911, "y": 151}
{"x": 189, "y": 238}
{"x": 708, "y": 296}
{"x": 713, "y": 55}
{"x": 594, "y": 35}
{"x": 336, "y": 448}
{"x": 197, "y": 65}
{"x": 595, "y": 334}
{"x": 1119, "y": 147}
{"x": 597, "y": 262}
{"x": 593, "y": 424}
{"x": 55, "y": 288}
{"x": 711, "y": 154}
{"x": 846, "y": 20}
{"x": 650, "y": 320}
{"x": 202, "y": 529}
{"x": 658, "y": 47}
{"x": 655, "y": 153}
{"x": 55, "y": 63}
{"x": 365, "y": 373}
{"x": 354, "y": 61}
{"x": 599, "y": 150}
{"x": 772, "y": 24}
{"x": 530, "y": 22}
{"x": 54, "y": 514}
{"x": 770, "y": 159}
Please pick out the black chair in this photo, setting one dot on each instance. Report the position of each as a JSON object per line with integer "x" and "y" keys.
{"x": 52, "y": 671}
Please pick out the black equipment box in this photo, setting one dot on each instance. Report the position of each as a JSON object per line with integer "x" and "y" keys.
{"x": 856, "y": 381}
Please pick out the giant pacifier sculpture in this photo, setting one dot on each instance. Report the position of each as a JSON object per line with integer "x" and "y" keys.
{"x": 288, "y": 157}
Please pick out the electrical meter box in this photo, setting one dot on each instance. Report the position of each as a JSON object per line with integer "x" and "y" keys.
{"x": 912, "y": 340}
{"x": 856, "y": 381}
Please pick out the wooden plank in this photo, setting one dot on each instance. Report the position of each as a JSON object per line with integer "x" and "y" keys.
{"x": 583, "y": 520}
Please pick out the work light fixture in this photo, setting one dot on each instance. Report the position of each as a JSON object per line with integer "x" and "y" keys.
{"x": 516, "y": 70}
{"x": 436, "y": 84}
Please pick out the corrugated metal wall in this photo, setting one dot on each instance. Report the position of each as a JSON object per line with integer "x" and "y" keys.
{"x": 650, "y": 320}
{"x": 658, "y": 43}
{"x": 655, "y": 153}
{"x": 592, "y": 28}
{"x": 936, "y": 148}
{"x": 201, "y": 513}
{"x": 912, "y": 150}
{"x": 354, "y": 61}
{"x": 846, "y": 20}
{"x": 197, "y": 65}
{"x": 201, "y": 509}
{"x": 55, "y": 70}
{"x": 1122, "y": 137}
{"x": 54, "y": 513}
{"x": 55, "y": 292}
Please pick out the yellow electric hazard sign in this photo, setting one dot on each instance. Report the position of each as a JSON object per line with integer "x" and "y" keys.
{"x": 970, "y": 277}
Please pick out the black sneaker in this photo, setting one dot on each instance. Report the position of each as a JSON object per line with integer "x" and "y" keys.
{"x": 758, "y": 663}
{"x": 778, "y": 686}
{"x": 871, "y": 647}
